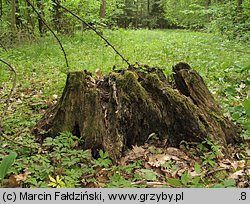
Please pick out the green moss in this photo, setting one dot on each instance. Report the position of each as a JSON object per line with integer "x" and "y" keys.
{"x": 154, "y": 80}
{"x": 132, "y": 89}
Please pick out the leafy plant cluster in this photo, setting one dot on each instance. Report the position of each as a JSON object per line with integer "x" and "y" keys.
{"x": 231, "y": 19}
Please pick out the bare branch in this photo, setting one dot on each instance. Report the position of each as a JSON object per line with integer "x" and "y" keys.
{"x": 92, "y": 28}
{"x": 38, "y": 14}
{"x": 12, "y": 69}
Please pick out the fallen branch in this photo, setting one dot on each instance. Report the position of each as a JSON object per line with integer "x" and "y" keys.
{"x": 92, "y": 28}
{"x": 38, "y": 14}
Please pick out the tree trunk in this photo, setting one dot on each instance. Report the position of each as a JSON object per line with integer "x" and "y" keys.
{"x": 1, "y": 8}
{"x": 103, "y": 9}
{"x": 57, "y": 17}
{"x": 207, "y": 5}
{"x": 125, "y": 107}
{"x": 40, "y": 7}
{"x": 239, "y": 4}
{"x": 13, "y": 15}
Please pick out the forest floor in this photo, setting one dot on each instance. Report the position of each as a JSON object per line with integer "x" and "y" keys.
{"x": 59, "y": 162}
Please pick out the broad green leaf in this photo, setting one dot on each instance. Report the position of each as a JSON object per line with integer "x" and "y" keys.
{"x": 246, "y": 105}
{"x": 218, "y": 185}
{"x": 236, "y": 116}
{"x": 185, "y": 178}
{"x": 174, "y": 182}
{"x": 149, "y": 174}
{"x": 229, "y": 183}
{"x": 6, "y": 164}
{"x": 197, "y": 168}
{"x": 196, "y": 180}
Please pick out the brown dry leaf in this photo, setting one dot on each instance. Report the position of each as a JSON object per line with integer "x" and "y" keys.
{"x": 103, "y": 175}
{"x": 12, "y": 182}
{"x": 181, "y": 171}
{"x": 193, "y": 174}
{"x": 248, "y": 152}
{"x": 225, "y": 165}
{"x": 22, "y": 177}
{"x": 158, "y": 159}
{"x": 238, "y": 164}
{"x": 236, "y": 175}
{"x": 177, "y": 153}
{"x": 138, "y": 151}
{"x": 92, "y": 185}
{"x": 98, "y": 74}
{"x": 135, "y": 154}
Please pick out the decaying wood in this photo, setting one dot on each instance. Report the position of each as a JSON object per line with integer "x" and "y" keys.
{"x": 124, "y": 108}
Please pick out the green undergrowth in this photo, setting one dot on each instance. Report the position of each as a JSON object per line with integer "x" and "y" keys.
{"x": 41, "y": 72}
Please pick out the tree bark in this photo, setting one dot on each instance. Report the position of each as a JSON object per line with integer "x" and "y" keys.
{"x": 13, "y": 15}
{"x": 103, "y": 9}
{"x": 207, "y": 5}
{"x": 239, "y": 4}
{"x": 40, "y": 7}
{"x": 57, "y": 17}
{"x": 1, "y": 8}
{"x": 125, "y": 107}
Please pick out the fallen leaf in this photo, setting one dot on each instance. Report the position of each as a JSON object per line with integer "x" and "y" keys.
{"x": 158, "y": 159}
{"x": 22, "y": 177}
{"x": 236, "y": 174}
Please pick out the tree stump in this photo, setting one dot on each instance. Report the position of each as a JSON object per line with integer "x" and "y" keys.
{"x": 125, "y": 107}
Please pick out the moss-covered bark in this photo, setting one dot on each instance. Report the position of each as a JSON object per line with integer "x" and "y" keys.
{"x": 125, "y": 107}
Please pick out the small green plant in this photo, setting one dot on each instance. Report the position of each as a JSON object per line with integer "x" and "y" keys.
{"x": 228, "y": 183}
{"x": 57, "y": 182}
{"x": 170, "y": 165}
{"x": 103, "y": 160}
{"x": 132, "y": 167}
{"x": 117, "y": 181}
{"x": 146, "y": 174}
{"x": 210, "y": 151}
{"x": 187, "y": 181}
{"x": 6, "y": 164}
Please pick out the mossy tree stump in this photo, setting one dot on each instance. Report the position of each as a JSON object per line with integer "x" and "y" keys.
{"x": 124, "y": 108}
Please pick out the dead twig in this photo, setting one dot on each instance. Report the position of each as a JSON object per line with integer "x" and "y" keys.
{"x": 150, "y": 184}
{"x": 217, "y": 170}
{"x": 92, "y": 28}
{"x": 17, "y": 143}
{"x": 38, "y": 14}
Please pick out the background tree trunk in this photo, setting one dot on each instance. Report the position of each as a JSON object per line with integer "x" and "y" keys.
{"x": 207, "y": 5}
{"x": 239, "y": 4}
{"x": 13, "y": 15}
{"x": 57, "y": 17}
{"x": 103, "y": 9}
{"x": 125, "y": 107}
{"x": 1, "y": 8}
{"x": 40, "y": 7}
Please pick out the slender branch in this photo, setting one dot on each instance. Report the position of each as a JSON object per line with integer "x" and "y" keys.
{"x": 18, "y": 143}
{"x": 12, "y": 69}
{"x": 38, "y": 14}
{"x": 92, "y": 28}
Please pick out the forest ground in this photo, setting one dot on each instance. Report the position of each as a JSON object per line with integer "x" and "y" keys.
{"x": 41, "y": 72}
